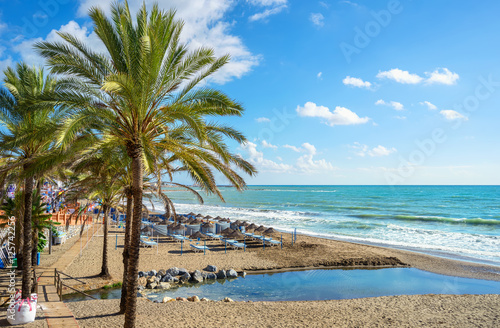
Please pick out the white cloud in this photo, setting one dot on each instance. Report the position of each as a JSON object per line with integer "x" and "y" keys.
{"x": 266, "y": 13}
{"x": 262, "y": 119}
{"x": 452, "y": 115}
{"x": 267, "y": 2}
{"x": 317, "y": 19}
{"x": 400, "y": 76}
{"x": 350, "y": 3}
{"x": 429, "y": 105}
{"x": 356, "y": 82}
{"x": 442, "y": 77}
{"x": 204, "y": 26}
{"x": 292, "y": 148}
{"x": 394, "y": 104}
{"x": 340, "y": 116}
{"x": 319, "y": 75}
{"x": 363, "y": 150}
{"x": 266, "y": 144}
{"x": 400, "y": 117}
{"x": 257, "y": 158}
{"x": 438, "y": 76}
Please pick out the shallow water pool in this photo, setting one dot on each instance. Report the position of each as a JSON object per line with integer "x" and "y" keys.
{"x": 325, "y": 284}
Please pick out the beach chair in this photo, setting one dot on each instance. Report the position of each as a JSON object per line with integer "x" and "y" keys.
{"x": 236, "y": 245}
{"x": 213, "y": 236}
{"x": 148, "y": 243}
{"x": 249, "y": 235}
{"x": 179, "y": 238}
{"x": 199, "y": 248}
{"x": 273, "y": 242}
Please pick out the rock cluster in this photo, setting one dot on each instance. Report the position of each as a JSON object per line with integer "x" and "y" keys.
{"x": 163, "y": 279}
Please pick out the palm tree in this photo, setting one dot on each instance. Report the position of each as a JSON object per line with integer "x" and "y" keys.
{"x": 29, "y": 119}
{"x": 144, "y": 94}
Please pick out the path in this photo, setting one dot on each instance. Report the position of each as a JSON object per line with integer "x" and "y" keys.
{"x": 55, "y": 311}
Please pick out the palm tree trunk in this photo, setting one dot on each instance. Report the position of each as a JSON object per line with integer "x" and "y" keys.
{"x": 27, "y": 233}
{"x": 126, "y": 245}
{"x": 135, "y": 152}
{"x": 104, "y": 268}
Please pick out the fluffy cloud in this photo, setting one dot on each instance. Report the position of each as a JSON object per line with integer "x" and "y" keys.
{"x": 340, "y": 116}
{"x": 257, "y": 158}
{"x": 452, "y": 115}
{"x": 296, "y": 149}
{"x": 442, "y": 77}
{"x": 438, "y": 76}
{"x": 429, "y": 105}
{"x": 306, "y": 163}
{"x": 204, "y": 25}
{"x": 356, "y": 82}
{"x": 317, "y": 19}
{"x": 394, "y": 104}
{"x": 262, "y": 119}
{"x": 400, "y": 76}
{"x": 267, "y": 2}
{"x": 266, "y": 144}
{"x": 364, "y": 150}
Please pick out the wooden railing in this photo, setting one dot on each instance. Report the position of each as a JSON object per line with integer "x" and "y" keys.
{"x": 73, "y": 219}
{"x": 59, "y": 284}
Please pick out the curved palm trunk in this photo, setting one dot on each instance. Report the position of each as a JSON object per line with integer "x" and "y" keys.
{"x": 27, "y": 234}
{"x": 104, "y": 268}
{"x": 126, "y": 245}
{"x": 135, "y": 152}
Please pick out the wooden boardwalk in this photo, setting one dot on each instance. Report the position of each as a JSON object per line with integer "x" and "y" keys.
{"x": 56, "y": 312}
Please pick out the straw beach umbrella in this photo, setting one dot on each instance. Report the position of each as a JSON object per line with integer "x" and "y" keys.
{"x": 252, "y": 226}
{"x": 191, "y": 214}
{"x": 197, "y": 235}
{"x": 226, "y": 231}
{"x": 260, "y": 229}
{"x": 218, "y": 218}
{"x": 270, "y": 231}
{"x": 208, "y": 217}
{"x": 236, "y": 235}
{"x": 199, "y": 216}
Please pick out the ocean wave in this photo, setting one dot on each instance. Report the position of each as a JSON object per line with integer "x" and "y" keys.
{"x": 472, "y": 221}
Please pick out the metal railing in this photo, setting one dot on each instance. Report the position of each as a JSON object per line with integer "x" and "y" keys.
{"x": 59, "y": 284}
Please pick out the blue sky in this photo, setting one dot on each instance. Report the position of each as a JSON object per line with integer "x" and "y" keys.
{"x": 336, "y": 92}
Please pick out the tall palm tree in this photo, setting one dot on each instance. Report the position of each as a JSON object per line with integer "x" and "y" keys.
{"x": 144, "y": 93}
{"x": 29, "y": 119}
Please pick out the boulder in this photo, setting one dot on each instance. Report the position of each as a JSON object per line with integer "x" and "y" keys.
{"x": 180, "y": 272}
{"x": 182, "y": 299}
{"x": 142, "y": 281}
{"x": 243, "y": 274}
{"x": 141, "y": 274}
{"x": 173, "y": 271}
{"x": 193, "y": 298}
{"x": 210, "y": 276}
{"x": 175, "y": 279}
{"x": 185, "y": 277}
{"x": 161, "y": 273}
{"x": 211, "y": 268}
{"x": 152, "y": 273}
{"x": 167, "y": 299}
{"x": 196, "y": 276}
{"x": 221, "y": 274}
{"x": 167, "y": 278}
{"x": 204, "y": 299}
{"x": 227, "y": 300}
{"x": 232, "y": 274}
{"x": 151, "y": 285}
{"x": 163, "y": 285}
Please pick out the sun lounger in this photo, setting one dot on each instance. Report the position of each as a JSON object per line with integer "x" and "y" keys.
{"x": 213, "y": 236}
{"x": 148, "y": 243}
{"x": 179, "y": 238}
{"x": 235, "y": 245}
{"x": 249, "y": 235}
{"x": 199, "y": 248}
{"x": 273, "y": 242}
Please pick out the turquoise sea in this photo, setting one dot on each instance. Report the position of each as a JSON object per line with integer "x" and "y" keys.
{"x": 452, "y": 221}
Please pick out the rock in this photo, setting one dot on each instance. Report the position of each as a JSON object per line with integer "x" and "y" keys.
{"x": 221, "y": 274}
{"x": 152, "y": 273}
{"x": 151, "y": 279}
{"x": 167, "y": 299}
{"x": 193, "y": 298}
{"x": 227, "y": 300}
{"x": 196, "y": 276}
{"x": 175, "y": 279}
{"x": 210, "y": 276}
{"x": 211, "y": 268}
{"x": 167, "y": 278}
{"x": 232, "y": 274}
{"x": 173, "y": 271}
{"x": 161, "y": 273}
{"x": 204, "y": 299}
{"x": 142, "y": 281}
{"x": 182, "y": 299}
{"x": 140, "y": 288}
{"x": 180, "y": 272}
{"x": 185, "y": 277}
{"x": 141, "y": 274}
{"x": 163, "y": 285}
{"x": 151, "y": 285}
{"x": 243, "y": 274}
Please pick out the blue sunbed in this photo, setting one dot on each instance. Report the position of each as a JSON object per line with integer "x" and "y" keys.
{"x": 199, "y": 248}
